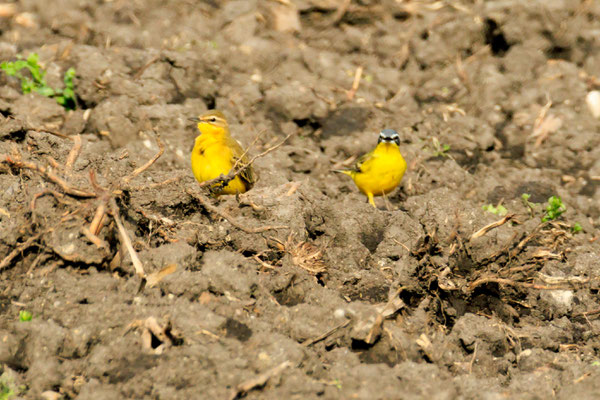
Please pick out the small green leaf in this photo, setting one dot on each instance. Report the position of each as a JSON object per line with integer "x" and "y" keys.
{"x": 25, "y": 316}
{"x": 496, "y": 210}
{"x": 37, "y": 82}
{"x": 576, "y": 228}
{"x": 6, "y": 392}
{"x": 525, "y": 196}
{"x": 554, "y": 209}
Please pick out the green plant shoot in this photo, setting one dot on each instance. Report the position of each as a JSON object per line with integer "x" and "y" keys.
{"x": 554, "y": 209}
{"x": 496, "y": 210}
{"x": 576, "y": 228}
{"x": 25, "y": 316}
{"x": 6, "y": 392}
{"x": 439, "y": 149}
{"x": 35, "y": 81}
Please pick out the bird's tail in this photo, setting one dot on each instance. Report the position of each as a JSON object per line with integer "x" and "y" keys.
{"x": 344, "y": 171}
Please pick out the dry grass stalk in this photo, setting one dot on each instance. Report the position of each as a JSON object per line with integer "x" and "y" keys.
{"x": 73, "y": 154}
{"x": 491, "y": 226}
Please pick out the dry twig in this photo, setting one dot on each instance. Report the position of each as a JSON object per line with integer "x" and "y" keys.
{"x": 491, "y": 226}
{"x": 51, "y": 176}
{"x": 73, "y": 154}
{"x": 18, "y": 250}
{"x": 259, "y": 381}
{"x": 139, "y": 73}
{"x": 355, "y": 84}
{"x": 148, "y": 164}
{"x": 330, "y": 332}
{"x": 125, "y": 241}
{"x": 59, "y": 197}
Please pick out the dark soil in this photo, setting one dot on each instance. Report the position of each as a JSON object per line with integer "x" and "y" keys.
{"x": 344, "y": 301}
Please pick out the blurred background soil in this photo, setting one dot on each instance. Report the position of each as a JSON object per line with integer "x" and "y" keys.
{"x": 299, "y": 288}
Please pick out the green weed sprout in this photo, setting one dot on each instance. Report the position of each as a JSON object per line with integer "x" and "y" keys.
{"x": 6, "y": 392}
{"x": 37, "y": 81}
{"x": 554, "y": 209}
{"x": 525, "y": 197}
{"x": 576, "y": 228}
{"x": 496, "y": 210}
{"x": 25, "y": 316}
{"x": 440, "y": 150}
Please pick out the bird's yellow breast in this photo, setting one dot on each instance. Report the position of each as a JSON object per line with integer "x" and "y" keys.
{"x": 381, "y": 171}
{"x": 212, "y": 157}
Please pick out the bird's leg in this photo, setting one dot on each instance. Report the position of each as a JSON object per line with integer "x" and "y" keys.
{"x": 371, "y": 200}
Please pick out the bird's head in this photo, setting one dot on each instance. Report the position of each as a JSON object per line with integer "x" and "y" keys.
{"x": 212, "y": 122}
{"x": 389, "y": 136}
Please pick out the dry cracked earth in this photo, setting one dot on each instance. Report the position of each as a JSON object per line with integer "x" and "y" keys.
{"x": 453, "y": 288}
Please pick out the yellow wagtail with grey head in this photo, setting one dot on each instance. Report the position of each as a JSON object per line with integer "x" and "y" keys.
{"x": 216, "y": 152}
{"x": 380, "y": 171}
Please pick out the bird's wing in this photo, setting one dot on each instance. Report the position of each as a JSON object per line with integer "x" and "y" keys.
{"x": 247, "y": 175}
{"x": 363, "y": 162}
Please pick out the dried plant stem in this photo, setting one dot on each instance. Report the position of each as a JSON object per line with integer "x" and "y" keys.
{"x": 18, "y": 250}
{"x": 51, "y": 176}
{"x": 148, "y": 164}
{"x": 73, "y": 154}
{"x": 126, "y": 241}
{"x": 98, "y": 219}
{"x": 491, "y": 226}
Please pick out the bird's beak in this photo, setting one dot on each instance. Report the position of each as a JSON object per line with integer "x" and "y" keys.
{"x": 194, "y": 119}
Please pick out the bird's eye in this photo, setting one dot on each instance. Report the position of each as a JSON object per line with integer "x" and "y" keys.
{"x": 213, "y": 119}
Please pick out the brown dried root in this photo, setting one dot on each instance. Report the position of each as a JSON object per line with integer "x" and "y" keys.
{"x": 106, "y": 197}
{"x": 18, "y": 250}
{"x": 491, "y": 226}
{"x": 48, "y": 174}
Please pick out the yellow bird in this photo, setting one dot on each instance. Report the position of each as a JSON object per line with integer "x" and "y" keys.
{"x": 380, "y": 171}
{"x": 216, "y": 152}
